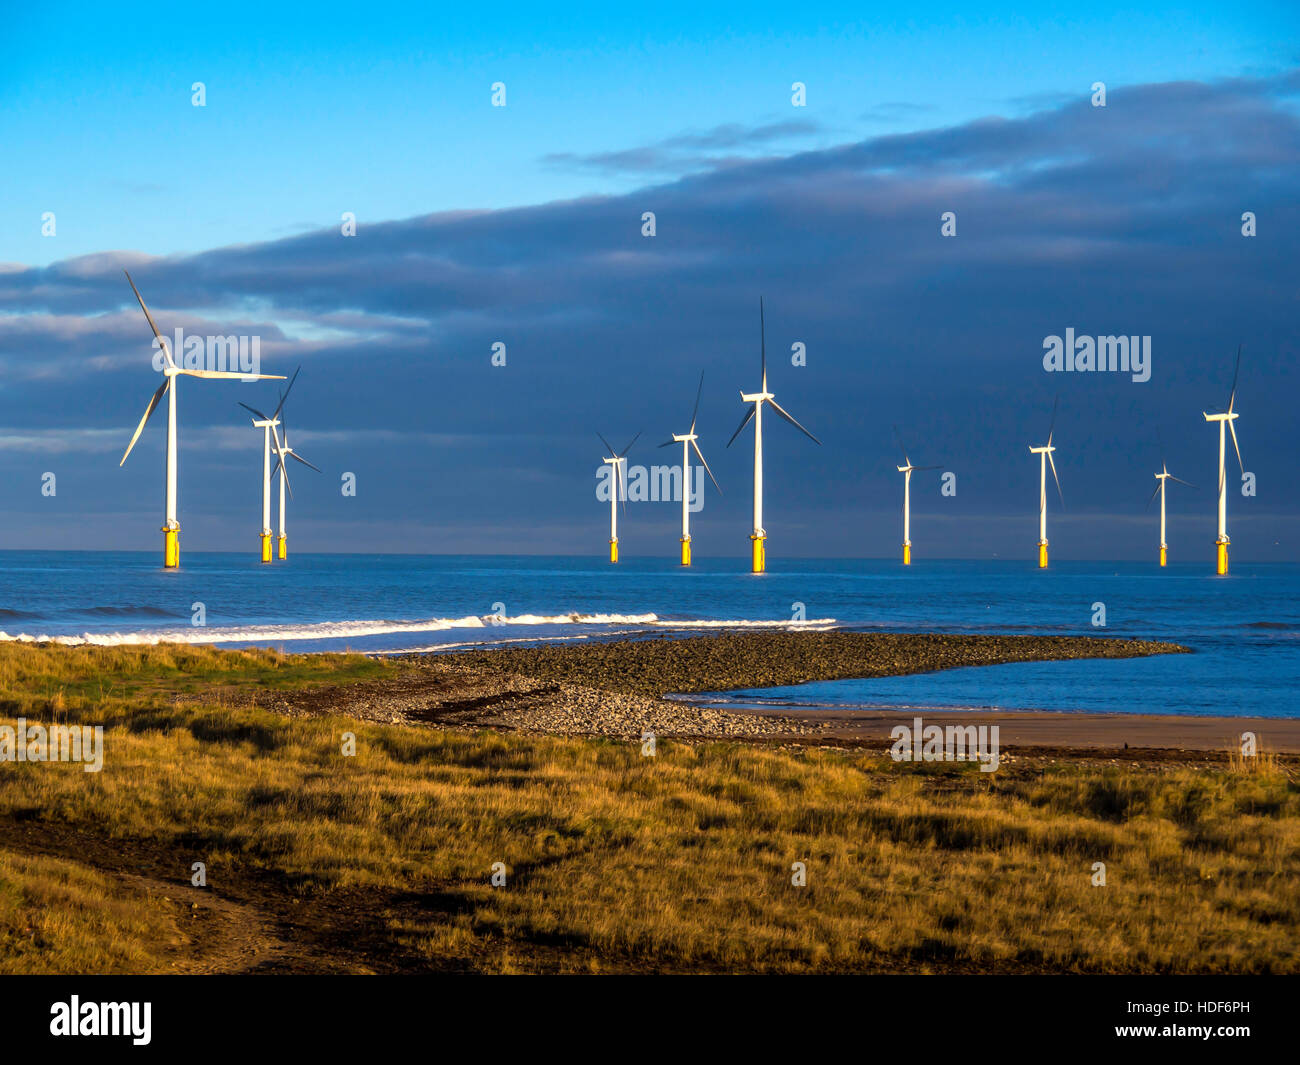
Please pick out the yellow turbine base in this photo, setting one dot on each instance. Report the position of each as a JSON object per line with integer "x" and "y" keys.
{"x": 613, "y": 550}
{"x": 171, "y": 548}
{"x": 1042, "y": 555}
{"x": 686, "y": 550}
{"x": 1164, "y": 555}
{"x": 284, "y": 551}
{"x": 1223, "y": 557}
{"x": 760, "y": 553}
{"x": 907, "y": 554}
{"x": 266, "y": 547}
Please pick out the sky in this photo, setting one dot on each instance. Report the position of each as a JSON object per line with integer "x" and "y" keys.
{"x": 522, "y": 225}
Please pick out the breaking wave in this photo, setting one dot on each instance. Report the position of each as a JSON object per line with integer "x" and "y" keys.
{"x": 344, "y": 630}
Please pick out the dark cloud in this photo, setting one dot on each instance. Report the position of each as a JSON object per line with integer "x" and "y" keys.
{"x": 1117, "y": 220}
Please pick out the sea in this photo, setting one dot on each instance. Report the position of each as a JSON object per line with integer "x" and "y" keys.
{"x": 1244, "y": 629}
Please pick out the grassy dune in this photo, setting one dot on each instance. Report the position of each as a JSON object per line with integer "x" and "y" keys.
{"x": 615, "y": 861}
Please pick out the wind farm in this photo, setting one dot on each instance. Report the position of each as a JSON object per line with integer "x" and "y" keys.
{"x": 171, "y": 527}
{"x": 447, "y": 731}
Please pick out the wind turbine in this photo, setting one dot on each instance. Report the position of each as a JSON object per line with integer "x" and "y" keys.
{"x": 268, "y": 423}
{"x": 1044, "y": 454}
{"x": 758, "y": 537}
{"x": 171, "y": 527}
{"x": 1162, "y": 477}
{"x": 1226, "y": 418}
{"x": 907, "y": 472}
{"x": 617, "y": 459}
{"x": 688, "y": 441}
{"x": 282, "y": 449}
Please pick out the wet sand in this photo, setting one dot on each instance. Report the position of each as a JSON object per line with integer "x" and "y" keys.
{"x": 1039, "y": 730}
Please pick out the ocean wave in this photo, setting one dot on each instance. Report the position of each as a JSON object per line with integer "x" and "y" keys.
{"x": 343, "y": 630}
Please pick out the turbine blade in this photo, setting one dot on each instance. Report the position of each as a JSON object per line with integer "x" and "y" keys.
{"x": 295, "y": 455}
{"x": 1052, "y": 463}
{"x": 608, "y": 448}
{"x": 1181, "y": 481}
{"x": 667, "y": 442}
{"x": 1154, "y": 494}
{"x": 1055, "y": 404}
{"x": 705, "y": 463}
{"x": 743, "y": 422}
{"x": 623, "y": 453}
{"x": 148, "y": 411}
{"x": 228, "y": 375}
{"x": 699, "y": 392}
{"x": 1235, "y": 371}
{"x": 622, "y": 480}
{"x": 927, "y": 467}
{"x": 1233, "y": 430}
{"x": 285, "y": 394}
{"x": 898, "y": 436}
{"x": 166, "y": 350}
{"x": 790, "y": 418}
{"x": 284, "y": 472}
{"x": 762, "y": 342}
{"x": 253, "y": 410}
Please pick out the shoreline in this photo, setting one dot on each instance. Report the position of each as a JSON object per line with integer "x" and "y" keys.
{"x": 618, "y": 688}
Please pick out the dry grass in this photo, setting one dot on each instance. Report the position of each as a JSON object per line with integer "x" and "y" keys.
{"x": 680, "y": 862}
{"x": 56, "y": 916}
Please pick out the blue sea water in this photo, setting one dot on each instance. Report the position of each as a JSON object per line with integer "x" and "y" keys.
{"x": 1244, "y": 628}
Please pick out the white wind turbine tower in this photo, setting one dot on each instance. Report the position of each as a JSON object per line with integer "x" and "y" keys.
{"x": 1044, "y": 454}
{"x": 688, "y": 441}
{"x": 268, "y": 423}
{"x": 282, "y": 448}
{"x": 1226, "y": 418}
{"x": 617, "y": 490}
{"x": 758, "y": 538}
{"x": 907, "y": 472}
{"x": 171, "y": 526}
{"x": 1161, "y": 478}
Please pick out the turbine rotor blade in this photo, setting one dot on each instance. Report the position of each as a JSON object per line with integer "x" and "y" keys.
{"x": 790, "y": 418}
{"x": 1052, "y": 463}
{"x": 228, "y": 375}
{"x": 1055, "y": 404}
{"x": 1235, "y": 371}
{"x": 705, "y": 463}
{"x": 608, "y": 447}
{"x": 1233, "y": 430}
{"x": 1181, "y": 481}
{"x": 295, "y": 455}
{"x": 253, "y": 410}
{"x": 623, "y": 453}
{"x": 166, "y": 350}
{"x": 762, "y": 342}
{"x": 153, "y": 403}
{"x": 666, "y": 443}
{"x": 743, "y": 422}
{"x": 285, "y": 395}
{"x": 1159, "y": 485}
{"x": 898, "y": 437}
{"x": 699, "y": 392}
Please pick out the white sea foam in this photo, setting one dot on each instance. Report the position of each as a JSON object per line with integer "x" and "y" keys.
{"x": 492, "y": 629}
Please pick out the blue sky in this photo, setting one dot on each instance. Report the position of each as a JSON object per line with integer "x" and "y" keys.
{"x": 521, "y": 224}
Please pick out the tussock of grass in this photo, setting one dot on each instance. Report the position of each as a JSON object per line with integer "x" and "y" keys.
{"x": 683, "y": 861}
{"x": 58, "y": 917}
